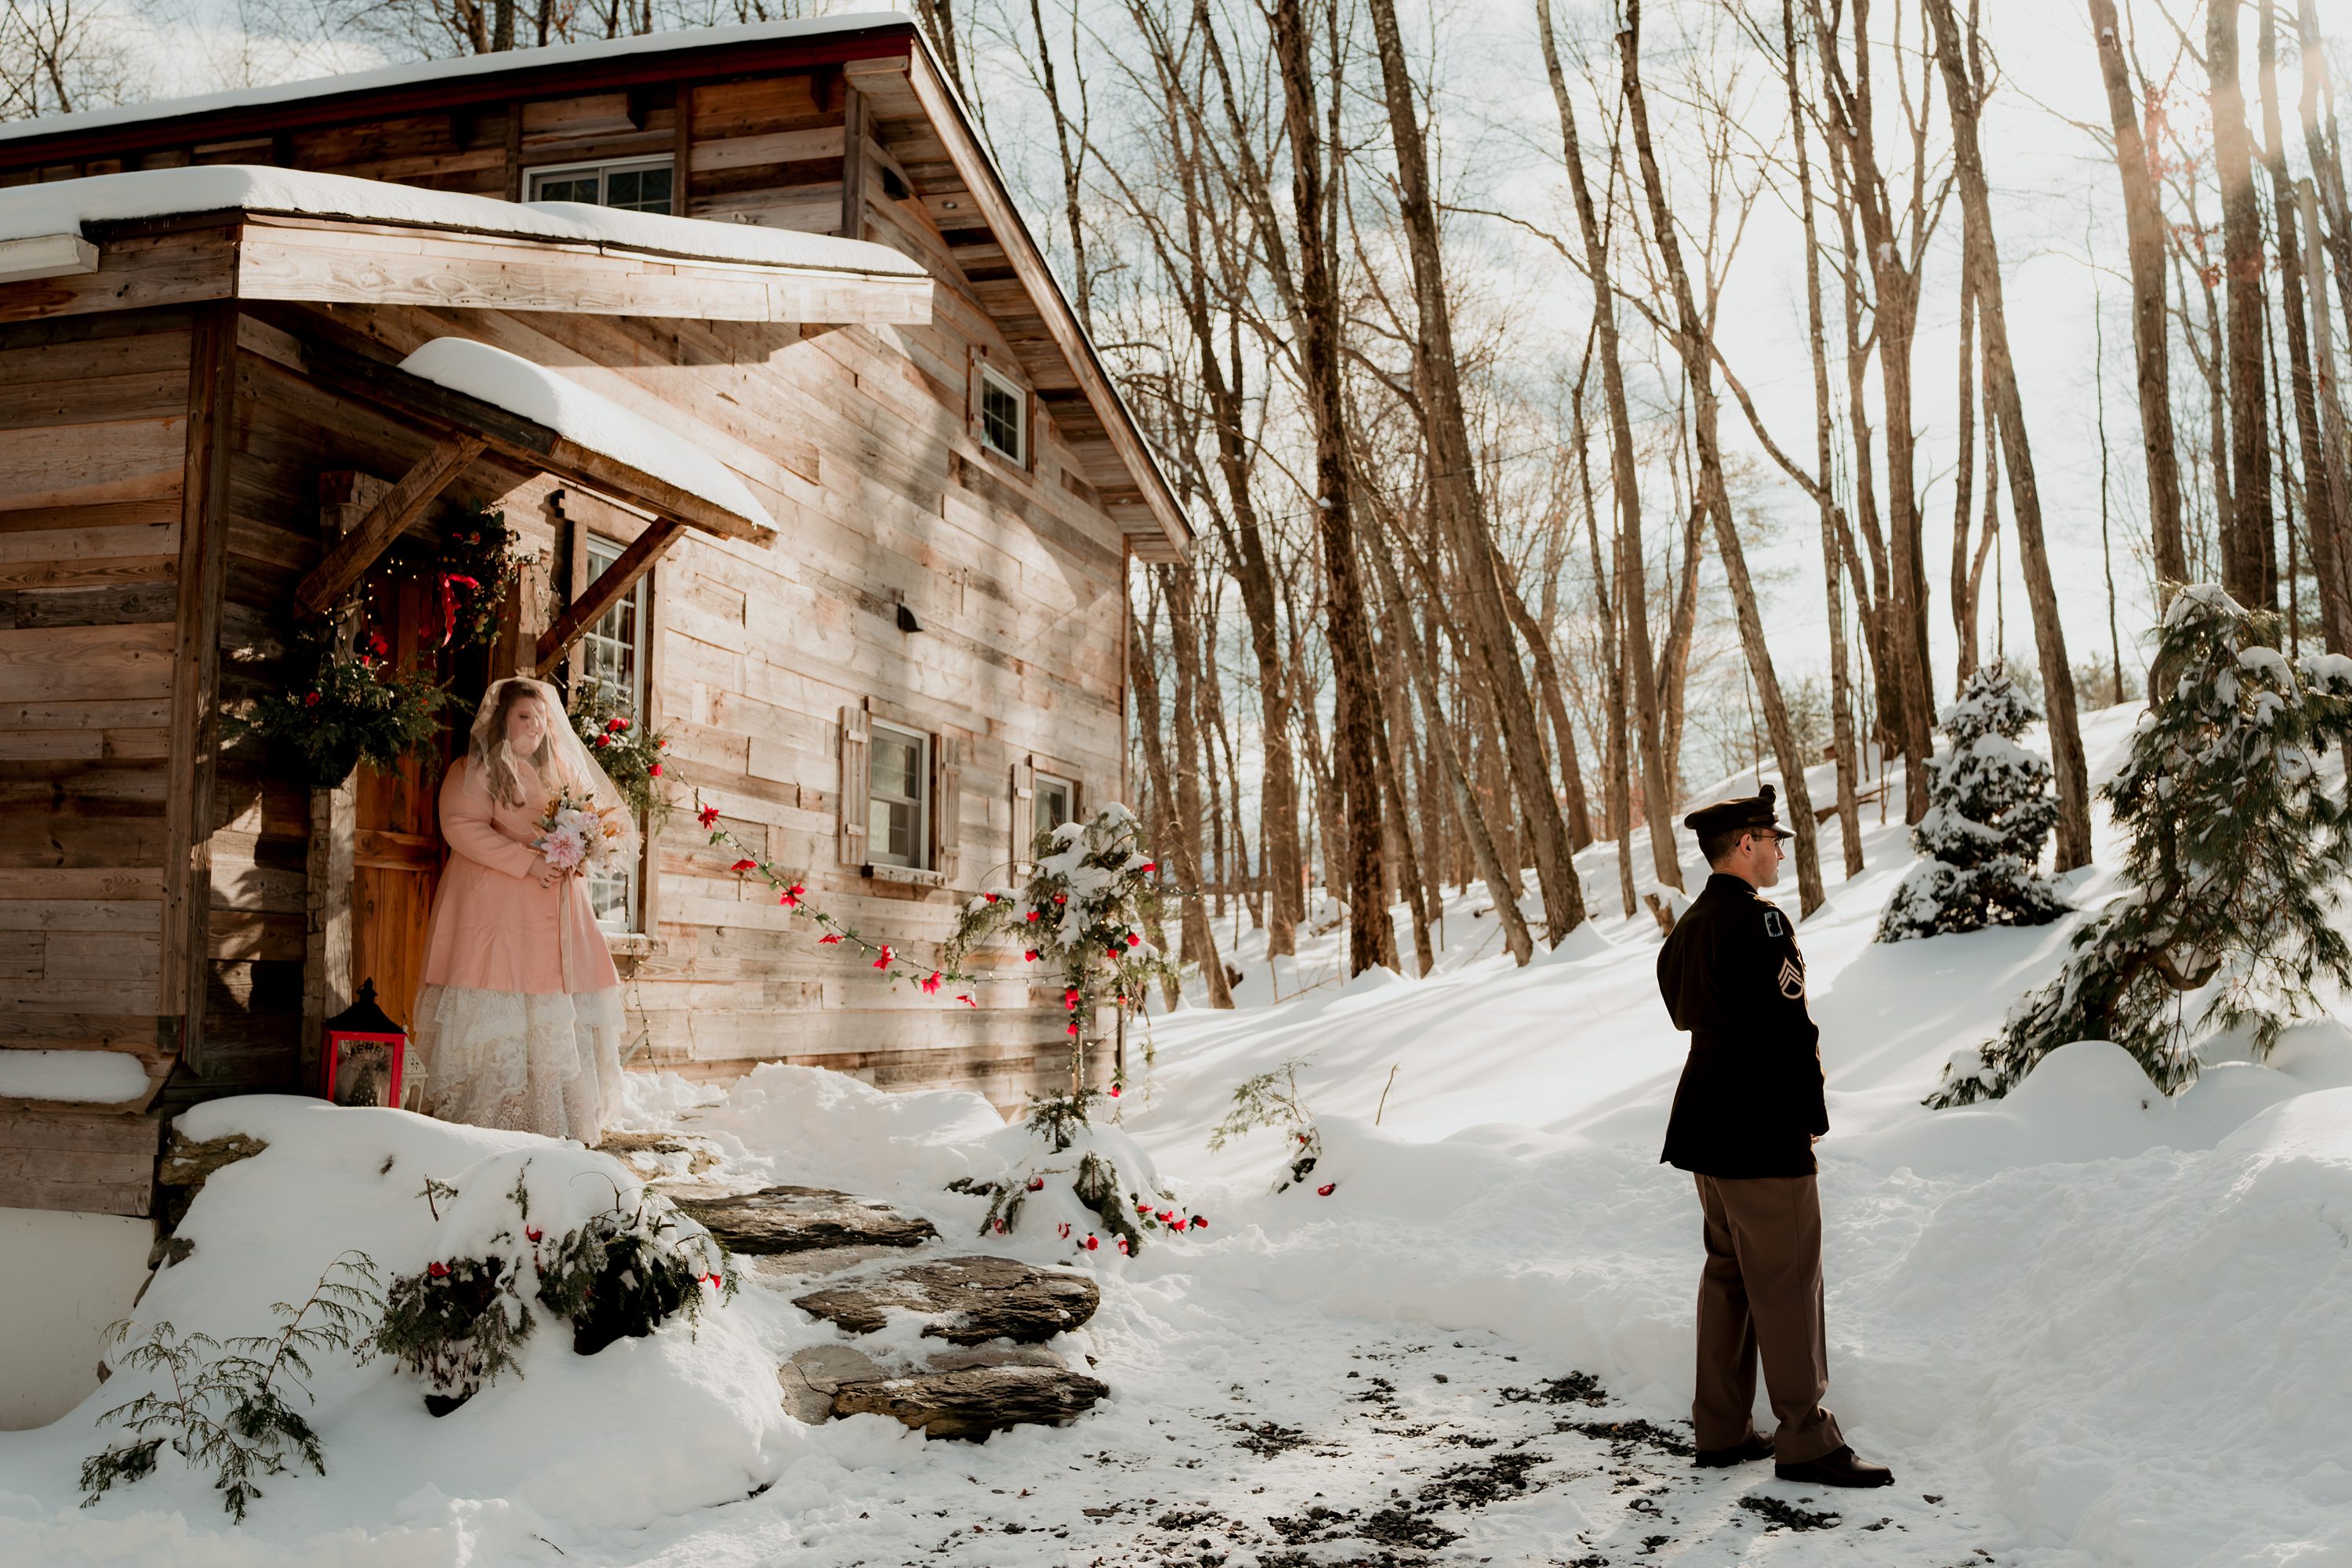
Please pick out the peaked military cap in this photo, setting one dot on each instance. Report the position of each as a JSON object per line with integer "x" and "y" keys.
{"x": 1755, "y": 811}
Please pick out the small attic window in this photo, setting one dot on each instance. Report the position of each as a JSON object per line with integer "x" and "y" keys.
{"x": 638, "y": 185}
{"x": 1004, "y": 416}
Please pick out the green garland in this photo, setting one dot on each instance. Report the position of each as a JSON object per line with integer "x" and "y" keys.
{"x": 632, "y": 755}
{"x": 342, "y": 710}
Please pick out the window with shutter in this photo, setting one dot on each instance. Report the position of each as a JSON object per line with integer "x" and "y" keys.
{"x": 1022, "y": 831}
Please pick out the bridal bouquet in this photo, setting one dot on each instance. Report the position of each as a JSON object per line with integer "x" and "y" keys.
{"x": 575, "y": 834}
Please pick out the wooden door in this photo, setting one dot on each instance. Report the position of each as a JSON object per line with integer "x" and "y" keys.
{"x": 396, "y": 851}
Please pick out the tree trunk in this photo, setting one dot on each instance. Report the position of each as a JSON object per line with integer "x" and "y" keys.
{"x": 1459, "y": 506}
{"x": 2144, "y": 226}
{"x": 2321, "y": 464}
{"x": 1695, "y": 341}
{"x": 1849, "y": 809}
{"x": 1624, "y": 481}
{"x": 2249, "y": 563}
{"x": 1145, "y": 672}
{"x": 2334, "y": 560}
{"x": 1617, "y": 765}
{"x": 1371, "y": 940}
{"x": 1444, "y": 743}
{"x": 1964, "y": 609}
{"x": 1184, "y": 632}
{"x": 1580, "y": 819}
{"x": 2057, "y": 675}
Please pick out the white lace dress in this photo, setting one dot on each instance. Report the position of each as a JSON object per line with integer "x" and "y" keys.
{"x": 518, "y": 1022}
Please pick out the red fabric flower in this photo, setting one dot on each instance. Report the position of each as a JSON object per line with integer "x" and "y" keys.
{"x": 789, "y": 899}
{"x": 1132, "y": 940}
{"x": 931, "y": 985}
{"x": 968, "y": 1002}
{"x": 1094, "y": 1243}
{"x": 1065, "y": 1228}
{"x": 998, "y": 1226}
{"x": 707, "y": 814}
{"x": 533, "y": 1232}
{"x": 882, "y": 961}
{"x": 1036, "y": 1183}
{"x": 744, "y": 865}
{"x": 1200, "y": 1222}
{"x": 1166, "y": 1216}
{"x": 1148, "y": 866}
{"x": 1122, "y": 1247}
{"x": 990, "y": 897}
{"x": 620, "y": 724}
{"x": 614, "y": 724}
{"x": 827, "y": 940}
{"x": 313, "y": 701}
{"x": 1061, "y": 897}
{"x": 603, "y": 742}
{"x": 1143, "y": 1208}
{"x": 437, "y": 1270}
{"x": 1029, "y": 956}
{"x": 1073, "y": 1029}
{"x": 1325, "y": 1190}
{"x": 1031, "y": 915}
{"x": 1112, "y": 950}
{"x": 1114, "y": 1091}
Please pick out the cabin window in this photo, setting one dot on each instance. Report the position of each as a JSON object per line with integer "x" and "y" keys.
{"x": 639, "y": 185}
{"x": 1055, "y": 801}
{"x": 898, "y": 821}
{"x": 1004, "y": 416}
{"x": 611, "y": 654}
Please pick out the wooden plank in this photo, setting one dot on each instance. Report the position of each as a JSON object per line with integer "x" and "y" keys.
{"x": 351, "y": 555}
{"x": 59, "y": 664}
{"x": 79, "y": 1160}
{"x": 604, "y": 593}
{"x": 134, "y": 272}
{"x": 83, "y": 465}
{"x": 329, "y": 266}
{"x": 195, "y": 670}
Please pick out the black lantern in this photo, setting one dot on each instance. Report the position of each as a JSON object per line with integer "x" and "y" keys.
{"x": 363, "y": 1055}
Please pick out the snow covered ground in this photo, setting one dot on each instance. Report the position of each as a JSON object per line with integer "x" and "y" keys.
{"x": 2083, "y": 1325}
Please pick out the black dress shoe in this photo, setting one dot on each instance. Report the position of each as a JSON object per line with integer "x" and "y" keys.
{"x": 1837, "y": 1468}
{"x": 1756, "y": 1446}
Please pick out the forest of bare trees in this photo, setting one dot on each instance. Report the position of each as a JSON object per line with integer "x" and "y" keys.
{"x": 1486, "y": 579}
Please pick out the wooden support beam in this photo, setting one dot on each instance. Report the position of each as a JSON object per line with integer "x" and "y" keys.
{"x": 350, "y": 557}
{"x": 604, "y": 593}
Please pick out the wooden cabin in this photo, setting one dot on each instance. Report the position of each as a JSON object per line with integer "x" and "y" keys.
{"x": 205, "y": 429}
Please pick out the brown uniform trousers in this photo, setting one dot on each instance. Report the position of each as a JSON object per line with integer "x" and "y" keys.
{"x": 1761, "y": 1291}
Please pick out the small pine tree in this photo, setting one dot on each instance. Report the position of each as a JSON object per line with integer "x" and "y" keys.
{"x": 1989, "y": 818}
{"x": 2236, "y": 861}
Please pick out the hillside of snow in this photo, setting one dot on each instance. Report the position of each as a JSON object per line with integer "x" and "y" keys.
{"x": 2085, "y": 1326}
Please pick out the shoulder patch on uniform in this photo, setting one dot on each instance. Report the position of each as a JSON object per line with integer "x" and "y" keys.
{"x": 1773, "y": 926}
{"x": 1792, "y": 980}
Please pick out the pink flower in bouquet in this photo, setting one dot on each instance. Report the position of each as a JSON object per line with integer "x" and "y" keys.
{"x": 564, "y": 848}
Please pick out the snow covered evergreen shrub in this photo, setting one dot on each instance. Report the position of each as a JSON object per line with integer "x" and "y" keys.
{"x": 1274, "y": 1100}
{"x": 2236, "y": 858}
{"x": 456, "y": 1323}
{"x": 1990, "y": 817}
{"x": 224, "y": 1405}
{"x": 625, "y": 1272}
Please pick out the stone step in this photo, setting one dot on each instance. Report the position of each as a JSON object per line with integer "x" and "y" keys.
{"x": 964, "y": 1393}
{"x": 778, "y": 1220}
{"x": 974, "y": 1300}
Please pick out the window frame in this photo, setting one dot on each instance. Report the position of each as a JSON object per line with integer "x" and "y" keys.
{"x": 604, "y": 170}
{"x": 597, "y": 553}
{"x": 1025, "y": 435}
{"x": 1042, "y": 781}
{"x": 925, "y": 854}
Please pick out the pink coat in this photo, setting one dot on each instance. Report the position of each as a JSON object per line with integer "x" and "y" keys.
{"x": 494, "y": 927}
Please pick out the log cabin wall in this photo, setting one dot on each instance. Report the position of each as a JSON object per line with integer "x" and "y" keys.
{"x": 93, "y": 442}
{"x": 863, "y": 443}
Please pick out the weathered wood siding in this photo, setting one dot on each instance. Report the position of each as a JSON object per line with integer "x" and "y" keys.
{"x": 93, "y": 419}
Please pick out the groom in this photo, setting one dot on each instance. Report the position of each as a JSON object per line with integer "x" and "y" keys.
{"x": 1747, "y": 1114}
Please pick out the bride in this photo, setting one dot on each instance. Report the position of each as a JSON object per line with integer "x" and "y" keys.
{"x": 518, "y": 1022}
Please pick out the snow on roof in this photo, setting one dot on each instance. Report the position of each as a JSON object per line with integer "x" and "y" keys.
{"x": 516, "y": 384}
{"x": 420, "y": 71}
{"x": 62, "y": 206}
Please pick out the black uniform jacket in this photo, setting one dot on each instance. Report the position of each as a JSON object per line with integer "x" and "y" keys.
{"x": 1750, "y": 1098}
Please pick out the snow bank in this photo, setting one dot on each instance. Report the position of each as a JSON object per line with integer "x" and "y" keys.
{"x": 100, "y": 1077}
{"x": 510, "y": 381}
{"x": 63, "y": 206}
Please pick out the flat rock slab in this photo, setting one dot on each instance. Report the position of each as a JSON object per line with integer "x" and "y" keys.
{"x": 803, "y": 1219}
{"x": 974, "y": 1300}
{"x": 974, "y": 1402}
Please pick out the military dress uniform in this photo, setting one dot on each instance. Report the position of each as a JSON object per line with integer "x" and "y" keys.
{"x": 1745, "y": 1115}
